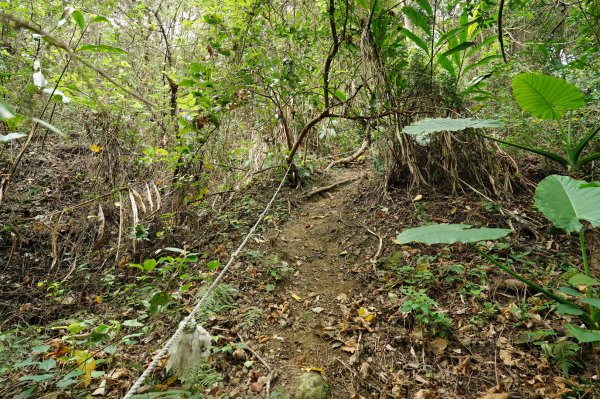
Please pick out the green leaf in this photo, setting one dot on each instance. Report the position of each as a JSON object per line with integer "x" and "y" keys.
{"x": 433, "y": 125}
{"x": 460, "y": 47}
{"x": 101, "y": 48}
{"x": 564, "y": 308}
{"x": 50, "y": 127}
{"x": 582, "y": 279}
{"x": 416, "y": 39}
{"x": 5, "y": 138}
{"x": 447, "y": 65}
{"x": 5, "y": 111}
{"x": 36, "y": 378}
{"x": 47, "y": 364}
{"x": 78, "y": 18}
{"x": 424, "y": 4}
{"x": 149, "y": 264}
{"x": 450, "y": 234}
{"x": 569, "y": 291}
{"x": 528, "y": 337}
{"x": 479, "y": 46}
{"x": 418, "y": 19}
{"x": 595, "y": 302}
{"x": 132, "y": 323}
{"x": 565, "y": 203}
{"x": 100, "y": 18}
{"x": 340, "y": 95}
{"x": 545, "y": 97}
{"x": 158, "y": 300}
{"x": 583, "y": 335}
{"x": 481, "y": 62}
{"x": 213, "y": 265}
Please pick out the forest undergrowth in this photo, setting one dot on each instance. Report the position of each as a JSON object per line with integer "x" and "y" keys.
{"x": 324, "y": 287}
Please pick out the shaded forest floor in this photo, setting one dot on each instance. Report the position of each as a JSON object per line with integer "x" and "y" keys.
{"x": 323, "y": 288}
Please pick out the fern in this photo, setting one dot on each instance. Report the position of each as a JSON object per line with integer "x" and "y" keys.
{"x": 250, "y": 316}
{"x": 201, "y": 377}
{"x": 563, "y": 355}
{"x": 221, "y": 298}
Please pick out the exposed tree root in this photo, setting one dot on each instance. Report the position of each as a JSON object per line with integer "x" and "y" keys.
{"x": 327, "y": 188}
{"x": 363, "y": 147}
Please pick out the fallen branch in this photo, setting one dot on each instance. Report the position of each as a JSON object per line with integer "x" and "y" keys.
{"x": 264, "y": 363}
{"x": 327, "y": 188}
{"x": 376, "y": 255}
{"x": 365, "y": 144}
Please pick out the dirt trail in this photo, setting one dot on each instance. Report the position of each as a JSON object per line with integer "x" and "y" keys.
{"x": 320, "y": 243}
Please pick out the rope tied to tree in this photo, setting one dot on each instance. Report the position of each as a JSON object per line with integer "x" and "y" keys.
{"x": 189, "y": 320}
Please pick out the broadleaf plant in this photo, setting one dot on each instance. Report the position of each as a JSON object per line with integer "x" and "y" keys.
{"x": 545, "y": 97}
{"x": 566, "y": 202}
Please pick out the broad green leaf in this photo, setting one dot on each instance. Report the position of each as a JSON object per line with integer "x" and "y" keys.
{"x": 424, "y": 4}
{"x": 149, "y": 264}
{"x": 132, "y": 323}
{"x": 5, "y": 111}
{"x": 582, "y": 279}
{"x": 50, "y": 127}
{"x": 101, "y": 48}
{"x": 364, "y": 4}
{"x": 418, "y": 19}
{"x": 564, "y": 308}
{"x": 433, "y": 125}
{"x": 583, "y": 335}
{"x": 595, "y": 302}
{"x": 100, "y": 18}
{"x": 36, "y": 378}
{"x": 447, "y": 65}
{"x": 458, "y": 48}
{"x": 159, "y": 299}
{"x": 340, "y": 95}
{"x": 453, "y": 33}
{"x": 464, "y": 20}
{"x": 481, "y": 62}
{"x": 78, "y": 18}
{"x": 450, "y": 234}
{"x": 5, "y": 138}
{"x": 416, "y": 39}
{"x": 479, "y": 46}
{"x": 569, "y": 291}
{"x": 528, "y": 337}
{"x": 47, "y": 364}
{"x": 565, "y": 203}
{"x": 545, "y": 97}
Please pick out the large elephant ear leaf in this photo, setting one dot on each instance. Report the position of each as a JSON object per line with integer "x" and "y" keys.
{"x": 545, "y": 97}
{"x": 450, "y": 234}
{"x": 433, "y": 125}
{"x": 566, "y": 202}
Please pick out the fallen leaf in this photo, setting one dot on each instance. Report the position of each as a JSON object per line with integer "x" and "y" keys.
{"x": 438, "y": 345}
{"x": 259, "y": 385}
{"x": 317, "y": 310}
{"x": 506, "y": 357}
{"x": 417, "y": 198}
{"x": 101, "y": 390}
{"x": 297, "y": 297}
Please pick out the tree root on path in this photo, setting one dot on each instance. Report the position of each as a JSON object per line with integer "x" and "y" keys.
{"x": 363, "y": 148}
{"x": 376, "y": 255}
{"x": 327, "y": 188}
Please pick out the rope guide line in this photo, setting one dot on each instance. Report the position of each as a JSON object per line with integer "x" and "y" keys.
{"x": 138, "y": 384}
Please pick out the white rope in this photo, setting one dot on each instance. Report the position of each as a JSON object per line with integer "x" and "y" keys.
{"x": 137, "y": 385}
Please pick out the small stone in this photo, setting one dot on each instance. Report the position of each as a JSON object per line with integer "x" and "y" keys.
{"x": 311, "y": 386}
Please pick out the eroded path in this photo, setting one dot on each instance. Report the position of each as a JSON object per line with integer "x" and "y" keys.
{"x": 321, "y": 246}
